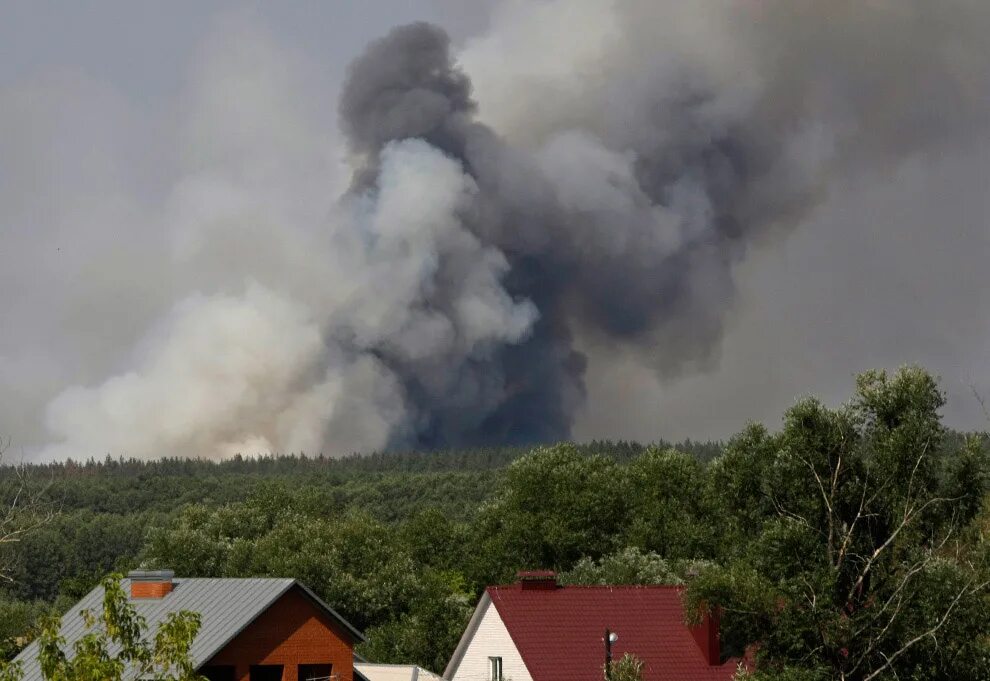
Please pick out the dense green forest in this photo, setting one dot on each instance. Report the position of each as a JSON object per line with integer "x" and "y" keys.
{"x": 850, "y": 542}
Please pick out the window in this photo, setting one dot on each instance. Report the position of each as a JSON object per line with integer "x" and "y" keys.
{"x": 315, "y": 672}
{"x": 266, "y": 672}
{"x": 496, "y": 667}
{"x": 218, "y": 673}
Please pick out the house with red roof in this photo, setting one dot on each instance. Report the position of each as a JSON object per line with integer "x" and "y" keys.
{"x": 537, "y": 630}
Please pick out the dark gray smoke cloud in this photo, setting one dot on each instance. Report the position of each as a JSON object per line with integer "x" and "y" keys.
{"x": 629, "y": 233}
{"x": 406, "y": 86}
{"x": 536, "y": 233}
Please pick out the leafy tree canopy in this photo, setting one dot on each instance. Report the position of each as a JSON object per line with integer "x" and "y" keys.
{"x": 632, "y": 566}
{"x": 846, "y": 559}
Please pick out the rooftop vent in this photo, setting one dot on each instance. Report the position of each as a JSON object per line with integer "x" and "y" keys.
{"x": 537, "y": 580}
{"x": 150, "y": 583}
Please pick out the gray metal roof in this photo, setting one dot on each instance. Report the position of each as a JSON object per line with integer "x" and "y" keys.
{"x": 226, "y": 606}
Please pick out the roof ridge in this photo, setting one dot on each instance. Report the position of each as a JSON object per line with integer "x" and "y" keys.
{"x": 594, "y": 586}
{"x": 227, "y": 579}
{"x": 387, "y": 664}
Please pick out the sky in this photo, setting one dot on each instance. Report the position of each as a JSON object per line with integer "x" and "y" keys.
{"x": 170, "y": 173}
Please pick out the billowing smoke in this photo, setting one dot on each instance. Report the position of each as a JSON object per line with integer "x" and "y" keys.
{"x": 629, "y": 230}
{"x": 597, "y": 189}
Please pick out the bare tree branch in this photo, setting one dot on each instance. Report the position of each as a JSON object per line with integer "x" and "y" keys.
{"x": 966, "y": 590}
{"x": 29, "y": 509}
{"x": 979, "y": 398}
{"x": 905, "y": 521}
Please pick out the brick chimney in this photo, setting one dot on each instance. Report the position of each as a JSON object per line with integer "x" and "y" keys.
{"x": 537, "y": 580}
{"x": 706, "y": 635}
{"x": 150, "y": 583}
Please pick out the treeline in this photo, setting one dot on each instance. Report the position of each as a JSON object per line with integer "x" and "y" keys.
{"x": 850, "y": 542}
{"x": 121, "y": 485}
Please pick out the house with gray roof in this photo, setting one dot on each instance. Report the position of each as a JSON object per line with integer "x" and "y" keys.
{"x": 251, "y": 629}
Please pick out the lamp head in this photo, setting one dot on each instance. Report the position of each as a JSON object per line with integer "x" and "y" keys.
{"x": 613, "y": 637}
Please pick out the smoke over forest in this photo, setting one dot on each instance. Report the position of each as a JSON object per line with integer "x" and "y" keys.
{"x": 483, "y": 225}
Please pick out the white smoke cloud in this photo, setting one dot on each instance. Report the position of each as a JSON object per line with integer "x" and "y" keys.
{"x": 259, "y": 372}
{"x": 410, "y": 225}
{"x": 218, "y": 371}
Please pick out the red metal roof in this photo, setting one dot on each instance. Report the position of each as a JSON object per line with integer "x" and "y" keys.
{"x": 559, "y": 632}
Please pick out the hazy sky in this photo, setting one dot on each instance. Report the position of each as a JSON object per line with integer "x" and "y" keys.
{"x": 146, "y": 49}
{"x": 154, "y": 155}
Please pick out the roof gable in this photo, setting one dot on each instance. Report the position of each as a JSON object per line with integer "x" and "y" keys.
{"x": 486, "y": 637}
{"x": 559, "y": 632}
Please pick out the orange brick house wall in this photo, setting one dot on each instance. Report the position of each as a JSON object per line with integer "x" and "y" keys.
{"x": 290, "y": 633}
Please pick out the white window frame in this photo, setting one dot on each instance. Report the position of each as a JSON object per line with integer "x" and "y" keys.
{"x": 495, "y": 669}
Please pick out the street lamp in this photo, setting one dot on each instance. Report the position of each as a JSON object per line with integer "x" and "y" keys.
{"x": 610, "y": 638}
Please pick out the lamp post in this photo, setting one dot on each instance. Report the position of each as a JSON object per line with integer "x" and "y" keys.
{"x": 610, "y": 638}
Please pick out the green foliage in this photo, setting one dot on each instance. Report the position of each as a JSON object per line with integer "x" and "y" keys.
{"x": 116, "y": 639}
{"x": 626, "y": 668}
{"x": 434, "y": 540}
{"x": 70, "y": 554}
{"x": 784, "y": 673}
{"x": 555, "y": 507}
{"x": 350, "y": 560}
{"x": 429, "y": 629}
{"x": 19, "y": 622}
{"x": 125, "y": 486}
{"x": 632, "y": 566}
{"x": 669, "y": 513}
{"x": 852, "y": 568}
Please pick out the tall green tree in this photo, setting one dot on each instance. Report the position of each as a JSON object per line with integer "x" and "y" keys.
{"x": 669, "y": 511}
{"x": 847, "y": 561}
{"x": 556, "y": 506}
{"x": 427, "y": 632}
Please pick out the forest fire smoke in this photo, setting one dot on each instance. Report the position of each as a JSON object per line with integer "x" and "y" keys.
{"x": 484, "y": 232}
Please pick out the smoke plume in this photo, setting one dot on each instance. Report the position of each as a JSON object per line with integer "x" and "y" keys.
{"x": 585, "y": 177}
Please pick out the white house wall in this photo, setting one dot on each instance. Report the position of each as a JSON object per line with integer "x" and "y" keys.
{"x": 491, "y": 639}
